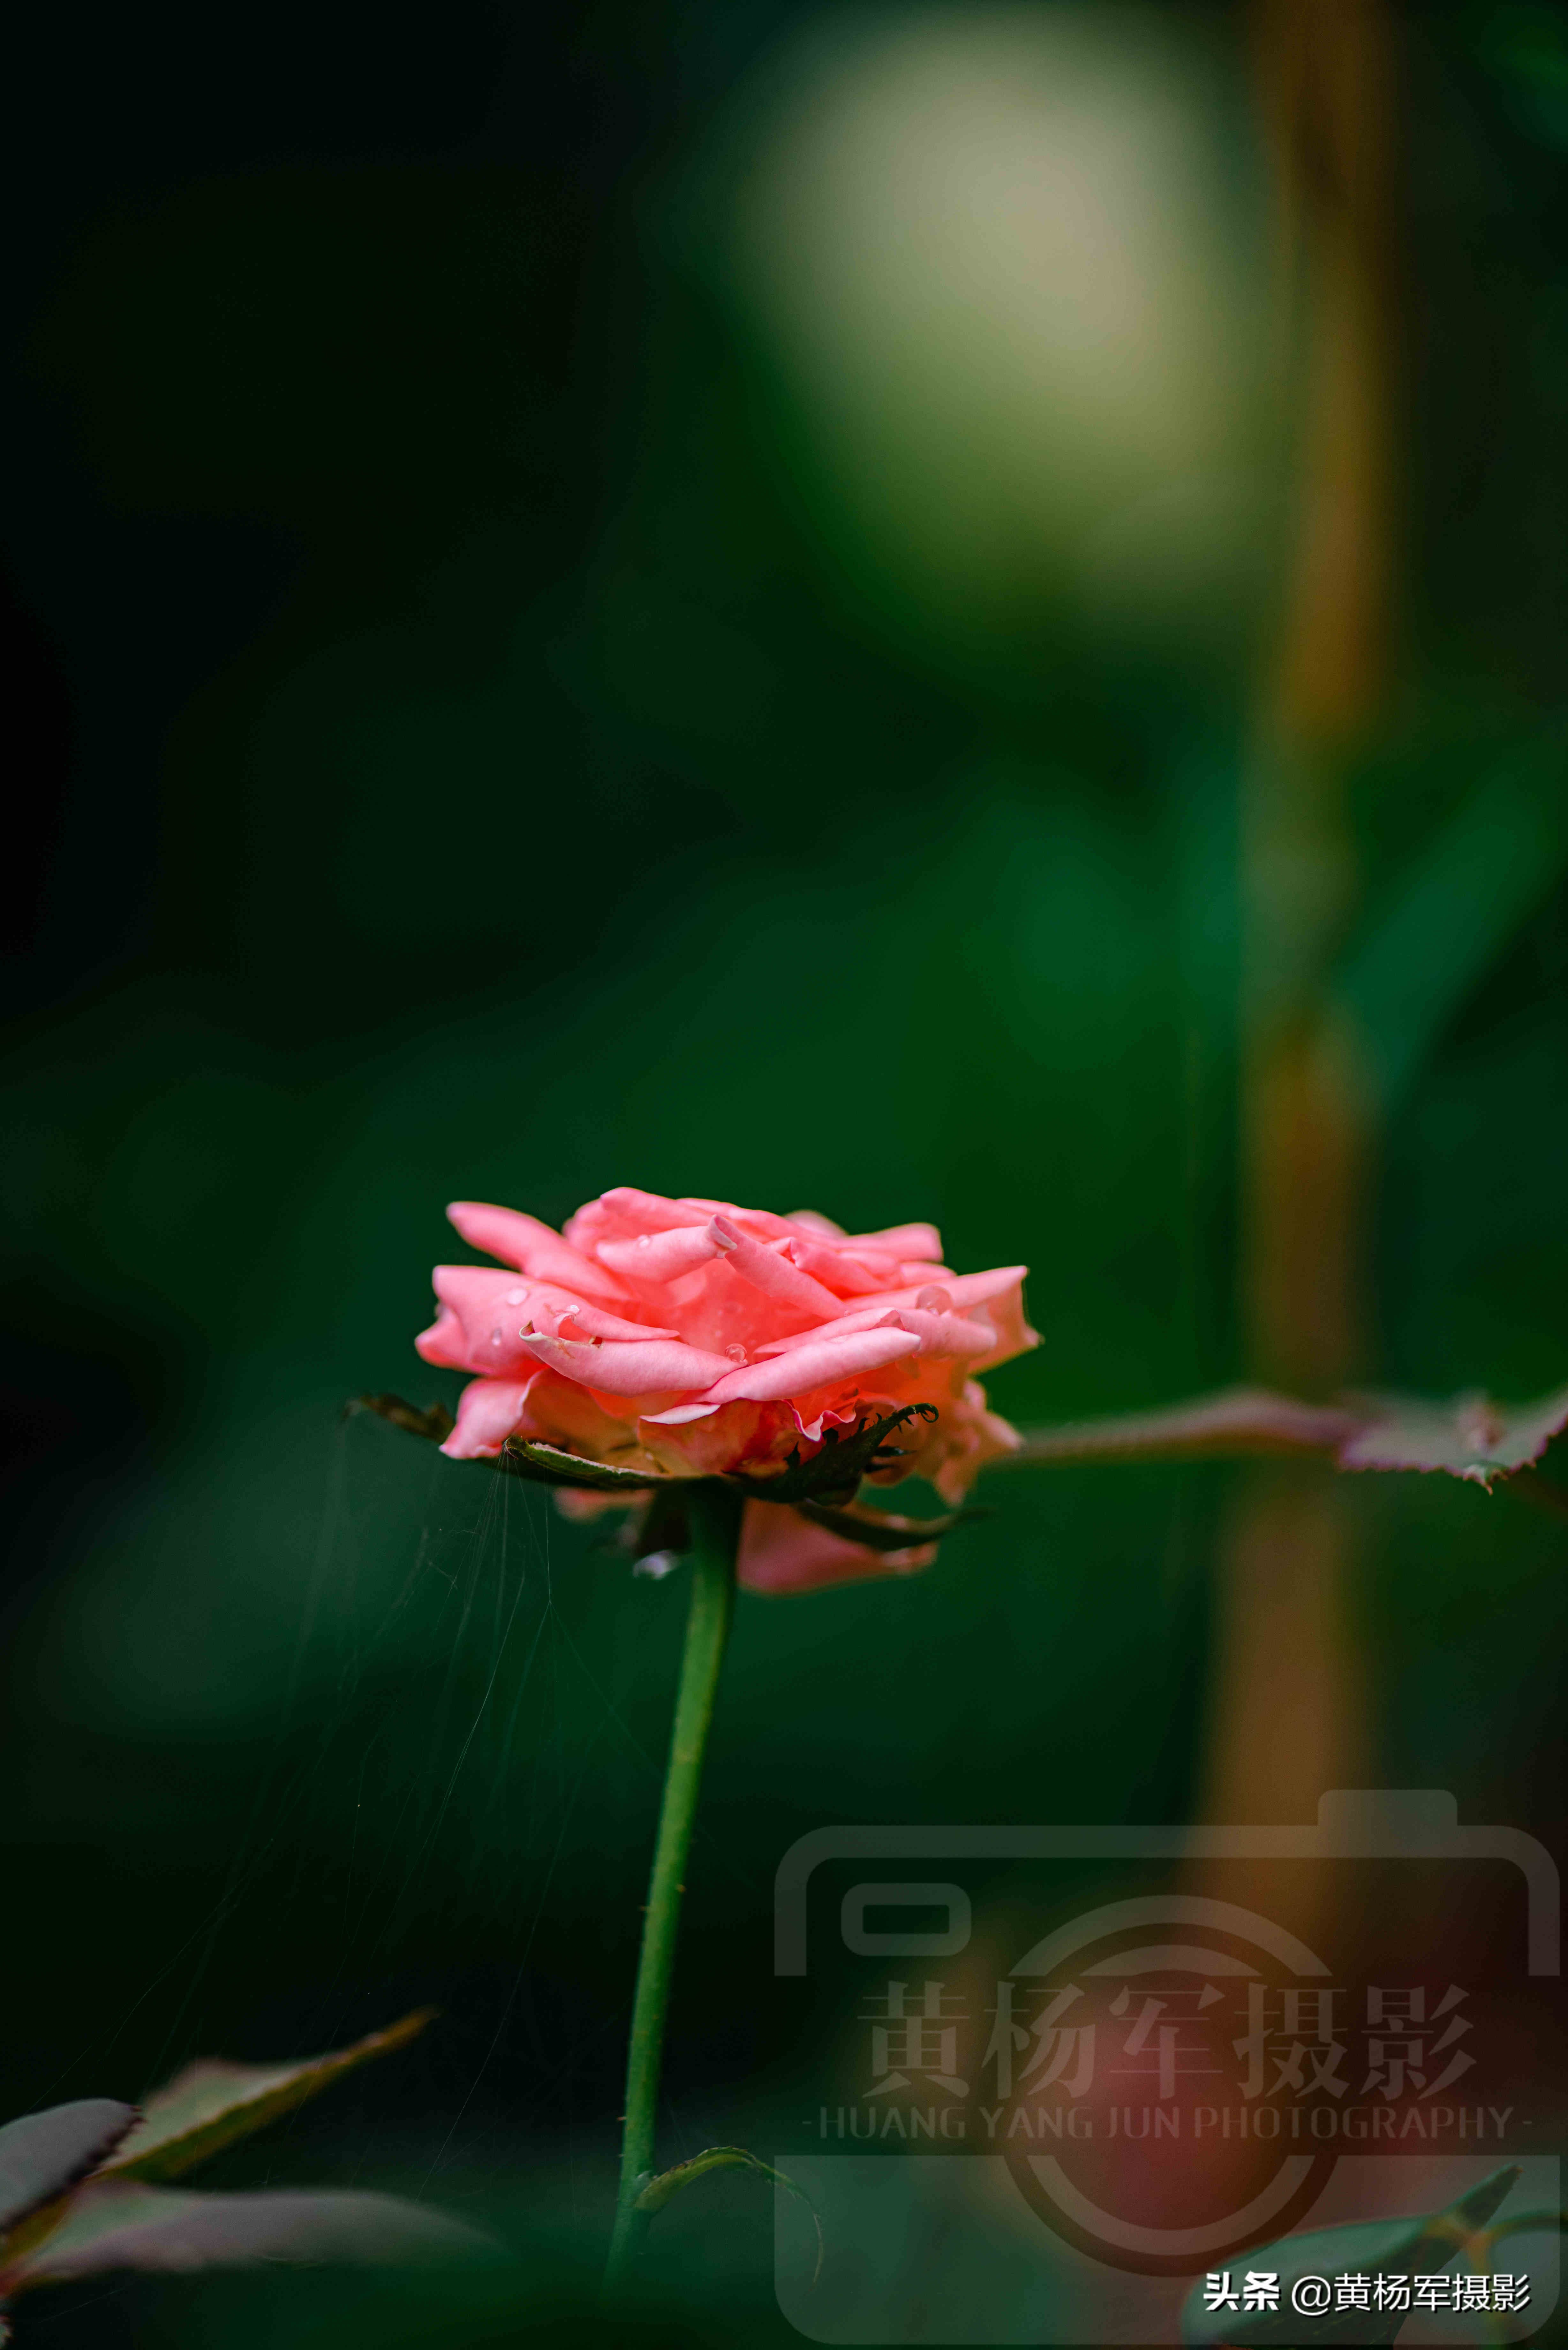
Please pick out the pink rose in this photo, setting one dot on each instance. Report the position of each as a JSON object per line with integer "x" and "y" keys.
{"x": 691, "y": 1339}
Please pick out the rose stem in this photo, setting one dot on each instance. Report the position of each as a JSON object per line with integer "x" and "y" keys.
{"x": 715, "y": 1520}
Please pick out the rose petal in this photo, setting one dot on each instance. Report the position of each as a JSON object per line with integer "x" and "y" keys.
{"x": 963, "y": 1288}
{"x": 488, "y": 1412}
{"x": 773, "y": 1274}
{"x": 811, "y": 1428}
{"x": 483, "y": 1312}
{"x": 751, "y": 1220}
{"x": 651, "y": 1366}
{"x": 923, "y": 1241}
{"x": 531, "y": 1247}
{"x": 782, "y": 1551}
{"x": 815, "y": 1365}
{"x": 647, "y": 1211}
{"x": 942, "y": 1334}
{"x": 659, "y": 1257}
{"x": 810, "y": 1221}
{"x": 443, "y": 1343}
{"x": 838, "y": 1270}
{"x": 575, "y": 1320}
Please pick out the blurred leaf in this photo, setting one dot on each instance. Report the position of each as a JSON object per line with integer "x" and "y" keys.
{"x": 1526, "y": 47}
{"x": 880, "y": 1530}
{"x": 433, "y": 1422}
{"x": 1401, "y": 2247}
{"x": 115, "y": 2225}
{"x": 835, "y": 1471}
{"x": 1472, "y": 1436}
{"x": 1240, "y": 1420}
{"x": 211, "y": 2103}
{"x": 1516, "y": 2223}
{"x": 42, "y": 2153}
{"x": 1459, "y": 904}
{"x": 658, "y": 2191}
{"x": 546, "y": 1464}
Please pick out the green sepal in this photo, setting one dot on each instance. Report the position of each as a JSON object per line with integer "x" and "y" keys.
{"x": 880, "y": 1530}
{"x": 834, "y": 1474}
{"x": 546, "y": 1464}
{"x": 542, "y": 1464}
{"x": 659, "y": 2191}
{"x": 434, "y": 1422}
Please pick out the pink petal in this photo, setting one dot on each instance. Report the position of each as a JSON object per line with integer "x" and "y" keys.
{"x": 773, "y": 1274}
{"x": 659, "y": 1257}
{"x": 680, "y": 1415}
{"x": 809, "y": 1221}
{"x": 647, "y": 1212}
{"x": 837, "y": 1269}
{"x": 575, "y": 1320}
{"x": 923, "y": 1241}
{"x": 944, "y": 1335}
{"x": 488, "y": 1412}
{"x": 443, "y": 1342}
{"x": 782, "y": 1551}
{"x": 651, "y": 1366}
{"x": 963, "y": 1288}
{"x": 949, "y": 1336}
{"x": 481, "y": 1322}
{"x": 484, "y": 1311}
{"x": 826, "y": 1418}
{"x": 815, "y": 1365}
{"x": 753, "y": 1219}
{"x": 531, "y": 1247}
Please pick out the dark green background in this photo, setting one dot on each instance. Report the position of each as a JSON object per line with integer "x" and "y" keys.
{"x": 449, "y": 762}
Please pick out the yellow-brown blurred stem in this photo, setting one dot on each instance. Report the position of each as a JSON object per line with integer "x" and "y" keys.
{"x": 1288, "y": 1717}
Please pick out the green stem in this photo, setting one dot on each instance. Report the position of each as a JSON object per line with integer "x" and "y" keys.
{"x": 715, "y": 1515}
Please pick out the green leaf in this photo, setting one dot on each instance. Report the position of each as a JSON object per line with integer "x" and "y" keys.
{"x": 116, "y": 2225}
{"x": 659, "y": 2191}
{"x": 541, "y": 1464}
{"x": 834, "y": 1472}
{"x": 546, "y": 1464}
{"x": 1425, "y": 2242}
{"x": 1552, "y": 2222}
{"x": 1470, "y": 1437}
{"x": 42, "y": 2153}
{"x": 879, "y": 1530}
{"x": 1454, "y": 908}
{"x": 211, "y": 2102}
{"x": 434, "y": 1422}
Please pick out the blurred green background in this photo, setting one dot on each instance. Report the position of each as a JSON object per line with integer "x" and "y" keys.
{"x": 588, "y": 609}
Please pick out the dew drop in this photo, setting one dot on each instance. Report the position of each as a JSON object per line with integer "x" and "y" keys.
{"x": 657, "y": 1565}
